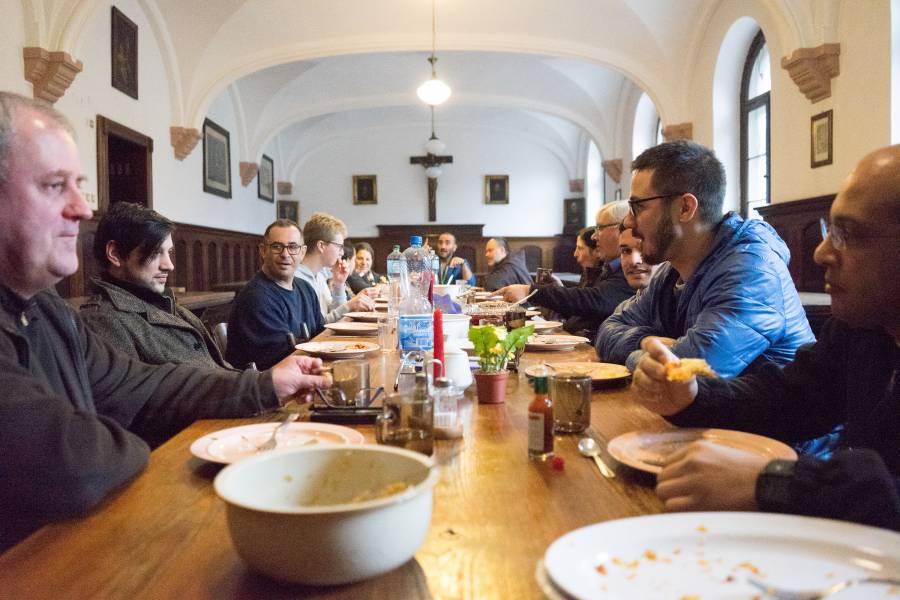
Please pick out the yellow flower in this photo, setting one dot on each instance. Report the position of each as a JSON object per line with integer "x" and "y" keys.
{"x": 498, "y": 349}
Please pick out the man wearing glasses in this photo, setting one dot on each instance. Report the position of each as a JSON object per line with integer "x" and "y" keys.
{"x": 584, "y": 308}
{"x": 130, "y": 308}
{"x": 274, "y": 310}
{"x": 725, "y": 294}
{"x": 324, "y": 236}
{"x": 850, "y": 376}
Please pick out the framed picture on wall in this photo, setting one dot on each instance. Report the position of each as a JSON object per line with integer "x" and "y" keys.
{"x": 216, "y": 160}
{"x": 288, "y": 209}
{"x": 496, "y": 189}
{"x": 365, "y": 189}
{"x": 821, "y": 136}
{"x": 265, "y": 179}
{"x": 573, "y": 215}
{"x": 124, "y": 54}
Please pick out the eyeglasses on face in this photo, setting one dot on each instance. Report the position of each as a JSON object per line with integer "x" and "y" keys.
{"x": 634, "y": 202}
{"x": 599, "y": 228}
{"x": 336, "y": 244}
{"x": 293, "y": 249}
{"x": 841, "y": 236}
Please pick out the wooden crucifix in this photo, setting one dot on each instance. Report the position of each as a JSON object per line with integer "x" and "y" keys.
{"x": 427, "y": 161}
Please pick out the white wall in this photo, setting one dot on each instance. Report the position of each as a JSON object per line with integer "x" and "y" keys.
{"x": 12, "y": 41}
{"x": 538, "y": 182}
{"x": 895, "y": 71}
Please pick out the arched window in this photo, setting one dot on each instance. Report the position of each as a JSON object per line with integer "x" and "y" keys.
{"x": 659, "y": 133}
{"x": 756, "y": 86}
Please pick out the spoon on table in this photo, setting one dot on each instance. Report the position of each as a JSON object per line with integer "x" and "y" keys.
{"x": 588, "y": 447}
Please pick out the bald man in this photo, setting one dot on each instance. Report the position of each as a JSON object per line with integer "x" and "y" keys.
{"x": 849, "y": 376}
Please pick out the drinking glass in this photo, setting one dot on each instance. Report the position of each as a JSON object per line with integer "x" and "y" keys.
{"x": 571, "y": 396}
{"x": 406, "y": 422}
{"x": 387, "y": 332}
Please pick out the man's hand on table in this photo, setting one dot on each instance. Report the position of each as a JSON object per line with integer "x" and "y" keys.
{"x": 514, "y": 293}
{"x": 297, "y": 374}
{"x": 362, "y": 302}
{"x": 708, "y": 476}
{"x": 652, "y": 389}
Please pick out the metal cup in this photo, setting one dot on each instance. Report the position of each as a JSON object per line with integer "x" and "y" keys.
{"x": 350, "y": 386}
{"x": 406, "y": 423}
{"x": 571, "y": 396}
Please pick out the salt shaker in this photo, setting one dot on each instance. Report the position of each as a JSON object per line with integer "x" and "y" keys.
{"x": 447, "y": 424}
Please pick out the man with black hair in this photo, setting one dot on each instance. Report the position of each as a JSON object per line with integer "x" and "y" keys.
{"x": 130, "y": 308}
{"x": 725, "y": 293}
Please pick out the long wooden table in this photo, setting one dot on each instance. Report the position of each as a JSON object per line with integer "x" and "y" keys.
{"x": 495, "y": 512}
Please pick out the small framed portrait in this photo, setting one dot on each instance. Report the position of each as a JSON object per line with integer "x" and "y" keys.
{"x": 573, "y": 215}
{"x": 821, "y": 136}
{"x": 124, "y": 54}
{"x": 265, "y": 179}
{"x": 288, "y": 209}
{"x": 365, "y": 189}
{"x": 216, "y": 160}
{"x": 496, "y": 189}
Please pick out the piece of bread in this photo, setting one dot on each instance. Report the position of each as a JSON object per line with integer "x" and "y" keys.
{"x": 685, "y": 368}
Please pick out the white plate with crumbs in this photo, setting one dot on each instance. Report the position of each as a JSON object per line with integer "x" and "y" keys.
{"x": 235, "y": 443}
{"x": 699, "y": 556}
{"x": 334, "y": 350}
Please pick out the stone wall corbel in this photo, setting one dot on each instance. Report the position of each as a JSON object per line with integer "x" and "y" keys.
{"x": 183, "y": 139}
{"x": 248, "y": 172}
{"x": 678, "y": 131}
{"x": 613, "y": 169}
{"x": 50, "y": 73}
{"x": 285, "y": 188}
{"x": 812, "y": 69}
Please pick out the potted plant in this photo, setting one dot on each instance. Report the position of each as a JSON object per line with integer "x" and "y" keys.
{"x": 494, "y": 346}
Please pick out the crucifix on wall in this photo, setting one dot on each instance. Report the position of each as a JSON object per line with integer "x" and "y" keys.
{"x": 432, "y": 162}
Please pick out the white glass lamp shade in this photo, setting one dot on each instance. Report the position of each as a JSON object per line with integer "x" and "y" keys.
{"x": 433, "y": 92}
{"x": 434, "y": 146}
{"x": 433, "y": 172}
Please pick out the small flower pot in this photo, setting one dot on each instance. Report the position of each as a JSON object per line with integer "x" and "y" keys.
{"x": 491, "y": 387}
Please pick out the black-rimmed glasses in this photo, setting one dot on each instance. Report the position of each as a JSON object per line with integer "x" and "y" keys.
{"x": 293, "y": 249}
{"x": 599, "y": 228}
{"x": 634, "y": 202}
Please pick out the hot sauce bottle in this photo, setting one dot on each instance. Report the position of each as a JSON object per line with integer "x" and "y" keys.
{"x": 540, "y": 421}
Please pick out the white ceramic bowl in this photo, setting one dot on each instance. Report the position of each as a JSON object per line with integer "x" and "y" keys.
{"x": 456, "y": 327}
{"x": 291, "y": 515}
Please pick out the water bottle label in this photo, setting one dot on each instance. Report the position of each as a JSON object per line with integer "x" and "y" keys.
{"x": 416, "y": 332}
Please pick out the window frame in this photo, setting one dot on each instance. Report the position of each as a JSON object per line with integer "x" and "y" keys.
{"x": 748, "y": 105}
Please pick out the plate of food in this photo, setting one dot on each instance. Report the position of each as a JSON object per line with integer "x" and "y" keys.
{"x": 602, "y": 374}
{"x": 333, "y": 350}
{"x": 545, "y": 326}
{"x": 553, "y": 343}
{"x": 235, "y": 443}
{"x": 710, "y": 555}
{"x": 365, "y": 317}
{"x": 532, "y": 312}
{"x": 352, "y": 328}
{"x": 648, "y": 451}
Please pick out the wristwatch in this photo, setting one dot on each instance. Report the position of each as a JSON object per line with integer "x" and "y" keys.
{"x": 773, "y": 485}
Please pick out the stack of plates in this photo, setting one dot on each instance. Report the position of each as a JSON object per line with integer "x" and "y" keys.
{"x": 353, "y": 328}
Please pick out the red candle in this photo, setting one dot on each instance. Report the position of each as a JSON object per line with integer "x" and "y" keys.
{"x": 438, "y": 341}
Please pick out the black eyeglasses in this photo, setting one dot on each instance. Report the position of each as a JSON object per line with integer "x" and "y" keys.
{"x": 293, "y": 249}
{"x": 633, "y": 202}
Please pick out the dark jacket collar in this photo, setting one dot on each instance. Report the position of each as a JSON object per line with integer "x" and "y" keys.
{"x": 128, "y": 297}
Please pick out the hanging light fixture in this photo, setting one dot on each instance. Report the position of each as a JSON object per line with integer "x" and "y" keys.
{"x": 434, "y": 91}
{"x": 432, "y": 148}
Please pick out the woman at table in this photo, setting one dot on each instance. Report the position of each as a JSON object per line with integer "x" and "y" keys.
{"x": 363, "y": 276}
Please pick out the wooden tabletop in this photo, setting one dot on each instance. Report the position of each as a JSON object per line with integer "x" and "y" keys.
{"x": 495, "y": 512}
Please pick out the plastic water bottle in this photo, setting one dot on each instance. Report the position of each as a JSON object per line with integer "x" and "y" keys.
{"x": 416, "y": 327}
{"x": 395, "y": 262}
{"x": 418, "y": 267}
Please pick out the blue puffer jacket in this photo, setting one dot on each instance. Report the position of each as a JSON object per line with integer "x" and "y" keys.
{"x": 739, "y": 310}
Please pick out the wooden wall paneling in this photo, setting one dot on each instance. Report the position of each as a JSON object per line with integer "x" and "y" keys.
{"x": 797, "y": 222}
{"x": 198, "y": 266}
{"x": 212, "y": 263}
{"x": 181, "y": 273}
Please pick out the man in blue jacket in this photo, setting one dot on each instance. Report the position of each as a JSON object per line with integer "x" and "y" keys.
{"x": 850, "y": 376}
{"x": 725, "y": 294}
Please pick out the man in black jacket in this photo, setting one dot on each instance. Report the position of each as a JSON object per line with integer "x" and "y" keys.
{"x": 849, "y": 376}
{"x": 587, "y": 306}
{"x": 507, "y": 267}
{"x": 73, "y": 409}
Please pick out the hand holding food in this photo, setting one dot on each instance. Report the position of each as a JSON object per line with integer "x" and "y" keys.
{"x": 685, "y": 368}
{"x": 654, "y": 389}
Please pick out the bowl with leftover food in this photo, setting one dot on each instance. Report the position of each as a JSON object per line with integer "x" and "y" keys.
{"x": 328, "y": 515}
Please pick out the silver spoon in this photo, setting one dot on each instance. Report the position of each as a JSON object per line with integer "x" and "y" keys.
{"x": 785, "y": 594}
{"x": 588, "y": 447}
